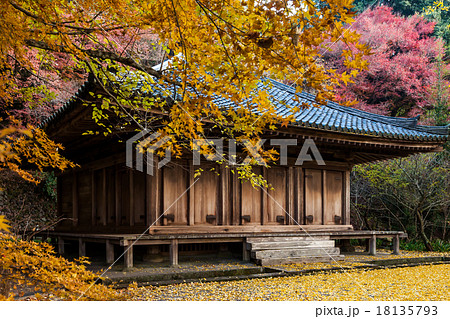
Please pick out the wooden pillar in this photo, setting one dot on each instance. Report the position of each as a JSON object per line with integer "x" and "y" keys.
{"x": 81, "y": 247}
{"x": 373, "y": 245}
{"x": 128, "y": 257}
{"x": 131, "y": 181}
{"x": 117, "y": 195}
{"x": 346, "y": 199}
{"x": 290, "y": 198}
{"x": 104, "y": 199}
{"x": 94, "y": 199}
{"x": 191, "y": 213}
{"x": 109, "y": 252}
{"x": 264, "y": 198}
{"x": 245, "y": 251}
{"x": 174, "y": 252}
{"x": 74, "y": 199}
{"x": 396, "y": 245}
{"x": 60, "y": 246}
{"x": 224, "y": 217}
{"x": 300, "y": 196}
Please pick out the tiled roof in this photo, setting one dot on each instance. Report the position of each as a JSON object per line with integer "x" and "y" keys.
{"x": 330, "y": 117}
{"x": 338, "y": 118}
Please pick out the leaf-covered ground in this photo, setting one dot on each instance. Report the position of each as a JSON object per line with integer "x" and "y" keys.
{"x": 429, "y": 282}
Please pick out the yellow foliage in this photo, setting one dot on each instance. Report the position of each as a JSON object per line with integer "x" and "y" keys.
{"x": 31, "y": 145}
{"x": 4, "y": 224}
{"x": 222, "y": 48}
{"x": 30, "y": 266}
{"x": 400, "y": 284}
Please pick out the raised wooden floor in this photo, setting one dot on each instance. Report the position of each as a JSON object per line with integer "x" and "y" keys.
{"x": 228, "y": 235}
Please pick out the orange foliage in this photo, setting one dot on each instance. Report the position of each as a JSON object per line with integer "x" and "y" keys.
{"x": 30, "y": 267}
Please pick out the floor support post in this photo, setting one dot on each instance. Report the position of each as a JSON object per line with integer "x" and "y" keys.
{"x": 81, "y": 247}
{"x": 128, "y": 258}
{"x": 373, "y": 245}
{"x": 396, "y": 245}
{"x": 60, "y": 246}
{"x": 109, "y": 252}
{"x": 174, "y": 252}
{"x": 245, "y": 251}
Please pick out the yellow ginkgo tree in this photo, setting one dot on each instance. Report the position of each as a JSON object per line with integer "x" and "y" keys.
{"x": 218, "y": 49}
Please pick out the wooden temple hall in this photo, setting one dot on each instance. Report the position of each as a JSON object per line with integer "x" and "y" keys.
{"x": 109, "y": 205}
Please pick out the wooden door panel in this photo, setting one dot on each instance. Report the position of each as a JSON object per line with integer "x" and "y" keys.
{"x": 276, "y": 198}
{"x": 313, "y": 196}
{"x": 333, "y": 198}
{"x": 174, "y": 206}
{"x": 251, "y": 202}
{"x": 139, "y": 197}
{"x": 206, "y": 199}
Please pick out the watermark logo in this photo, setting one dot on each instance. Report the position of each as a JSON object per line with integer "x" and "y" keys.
{"x": 146, "y": 144}
{"x": 143, "y": 143}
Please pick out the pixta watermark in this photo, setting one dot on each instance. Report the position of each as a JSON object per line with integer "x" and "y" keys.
{"x": 147, "y": 144}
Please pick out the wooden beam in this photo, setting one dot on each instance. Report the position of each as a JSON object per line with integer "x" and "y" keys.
{"x": 237, "y": 229}
{"x": 174, "y": 252}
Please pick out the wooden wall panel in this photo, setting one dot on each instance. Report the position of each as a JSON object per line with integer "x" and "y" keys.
{"x": 153, "y": 198}
{"x": 124, "y": 195}
{"x": 110, "y": 196}
{"x": 99, "y": 204}
{"x": 277, "y": 198}
{"x": 85, "y": 198}
{"x": 313, "y": 196}
{"x": 65, "y": 183}
{"x": 333, "y": 198}
{"x": 251, "y": 202}
{"x": 175, "y": 183}
{"x": 139, "y": 182}
{"x": 300, "y": 194}
{"x": 206, "y": 198}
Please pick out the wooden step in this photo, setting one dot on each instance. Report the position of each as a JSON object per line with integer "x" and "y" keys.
{"x": 289, "y": 244}
{"x": 285, "y": 239}
{"x": 300, "y": 252}
{"x": 297, "y": 260}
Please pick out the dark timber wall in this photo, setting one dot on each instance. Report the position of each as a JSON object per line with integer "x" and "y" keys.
{"x": 112, "y": 198}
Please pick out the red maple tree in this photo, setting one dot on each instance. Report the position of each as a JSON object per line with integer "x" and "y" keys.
{"x": 401, "y": 70}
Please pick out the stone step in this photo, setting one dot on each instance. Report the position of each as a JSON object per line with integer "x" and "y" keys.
{"x": 298, "y": 252}
{"x": 289, "y": 244}
{"x": 285, "y": 239}
{"x": 297, "y": 260}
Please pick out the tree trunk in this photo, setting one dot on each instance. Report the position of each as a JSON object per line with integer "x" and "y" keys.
{"x": 422, "y": 234}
